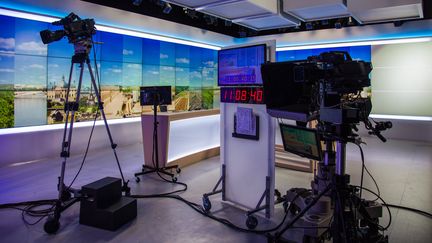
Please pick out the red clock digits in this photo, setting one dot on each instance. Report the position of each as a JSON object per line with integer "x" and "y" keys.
{"x": 259, "y": 95}
{"x": 253, "y": 95}
{"x": 237, "y": 94}
{"x": 250, "y": 95}
{"x": 243, "y": 95}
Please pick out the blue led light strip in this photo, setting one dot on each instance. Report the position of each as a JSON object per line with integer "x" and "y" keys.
{"x": 50, "y": 19}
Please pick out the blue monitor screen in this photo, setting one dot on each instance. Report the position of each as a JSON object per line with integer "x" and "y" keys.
{"x": 241, "y": 66}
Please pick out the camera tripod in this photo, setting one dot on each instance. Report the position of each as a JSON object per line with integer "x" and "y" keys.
{"x": 155, "y": 152}
{"x": 65, "y": 200}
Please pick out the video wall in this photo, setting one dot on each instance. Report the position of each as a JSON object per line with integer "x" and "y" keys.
{"x": 34, "y": 76}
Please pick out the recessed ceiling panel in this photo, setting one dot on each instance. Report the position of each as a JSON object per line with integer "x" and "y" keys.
{"x": 269, "y": 22}
{"x": 316, "y": 9}
{"x": 238, "y": 10}
{"x": 388, "y": 14}
{"x": 195, "y": 3}
{"x": 373, "y": 11}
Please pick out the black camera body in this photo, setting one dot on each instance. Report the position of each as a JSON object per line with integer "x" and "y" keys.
{"x": 74, "y": 28}
{"x": 317, "y": 88}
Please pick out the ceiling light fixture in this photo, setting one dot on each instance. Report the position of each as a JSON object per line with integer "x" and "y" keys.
{"x": 191, "y": 13}
{"x": 350, "y": 21}
{"x": 167, "y": 8}
{"x": 398, "y": 23}
{"x": 137, "y": 2}
{"x": 309, "y": 26}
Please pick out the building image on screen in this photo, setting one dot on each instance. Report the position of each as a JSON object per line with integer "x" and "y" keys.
{"x": 301, "y": 141}
{"x": 241, "y": 66}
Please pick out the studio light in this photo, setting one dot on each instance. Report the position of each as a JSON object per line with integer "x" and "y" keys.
{"x": 309, "y": 26}
{"x": 210, "y": 20}
{"x": 398, "y": 23}
{"x": 137, "y": 2}
{"x": 191, "y": 13}
{"x": 167, "y": 8}
{"x": 350, "y": 21}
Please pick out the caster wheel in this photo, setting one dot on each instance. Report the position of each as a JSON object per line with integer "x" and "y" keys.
{"x": 206, "y": 203}
{"x": 294, "y": 209}
{"x": 178, "y": 170}
{"x": 137, "y": 179}
{"x": 251, "y": 222}
{"x": 285, "y": 206}
{"x": 52, "y": 225}
{"x": 174, "y": 179}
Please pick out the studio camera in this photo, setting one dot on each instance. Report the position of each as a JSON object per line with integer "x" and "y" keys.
{"x": 297, "y": 90}
{"x": 327, "y": 88}
{"x": 74, "y": 28}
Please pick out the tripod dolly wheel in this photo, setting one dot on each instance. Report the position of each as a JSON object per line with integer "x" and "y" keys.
{"x": 251, "y": 222}
{"x": 137, "y": 179}
{"x": 66, "y": 195}
{"x": 294, "y": 209}
{"x": 206, "y": 203}
{"x": 52, "y": 225}
{"x": 178, "y": 170}
{"x": 285, "y": 206}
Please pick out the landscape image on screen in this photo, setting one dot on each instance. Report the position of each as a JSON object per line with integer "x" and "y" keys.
{"x": 300, "y": 141}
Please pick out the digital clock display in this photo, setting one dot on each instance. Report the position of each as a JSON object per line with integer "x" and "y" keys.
{"x": 247, "y": 95}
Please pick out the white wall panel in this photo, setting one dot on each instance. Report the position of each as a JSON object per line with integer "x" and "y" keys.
{"x": 402, "y": 79}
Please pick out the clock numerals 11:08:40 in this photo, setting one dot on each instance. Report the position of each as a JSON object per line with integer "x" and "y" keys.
{"x": 248, "y": 95}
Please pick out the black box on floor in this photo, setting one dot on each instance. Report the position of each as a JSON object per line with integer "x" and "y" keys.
{"x": 112, "y": 217}
{"x": 103, "y": 192}
{"x": 103, "y": 205}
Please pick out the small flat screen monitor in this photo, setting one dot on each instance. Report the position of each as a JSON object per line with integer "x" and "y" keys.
{"x": 155, "y": 95}
{"x": 241, "y": 66}
{"x": 301, "y": 141}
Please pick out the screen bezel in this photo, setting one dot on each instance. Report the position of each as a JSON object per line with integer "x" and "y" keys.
{"x": 317, "y": 140}
{"x": 242, "y": 47}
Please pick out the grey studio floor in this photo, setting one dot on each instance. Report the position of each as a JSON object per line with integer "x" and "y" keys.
{"x": 403, "y": 170}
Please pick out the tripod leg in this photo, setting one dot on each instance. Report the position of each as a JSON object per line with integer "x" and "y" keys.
{"x": 125, "y": 188}
{"x": 52, "y": 224}
{"x": 67, "y": 110}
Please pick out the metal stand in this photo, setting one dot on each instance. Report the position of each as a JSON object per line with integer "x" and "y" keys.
{"x": 148, "y": 169}
{"x": 82, "y": 50}
{"x": 251, "y": 220}
{"x": 206, "y": 201}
